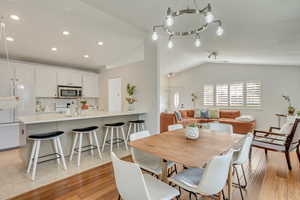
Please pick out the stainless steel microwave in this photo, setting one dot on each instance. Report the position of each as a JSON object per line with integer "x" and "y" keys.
{"x": 69, "y": 92}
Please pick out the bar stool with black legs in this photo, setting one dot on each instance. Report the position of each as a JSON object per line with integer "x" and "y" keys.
{"x": 110, "y": 128}
{"x": 57, "y": 155}
{"x": 135, "y": 126}
{"x": 91, "y": 133}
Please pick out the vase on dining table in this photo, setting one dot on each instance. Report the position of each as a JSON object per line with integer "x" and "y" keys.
{"x": 192, "y": 132}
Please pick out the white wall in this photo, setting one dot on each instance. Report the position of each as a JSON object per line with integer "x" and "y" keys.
{"x": 276, "y": 80}
{"x": 145, "y": 75}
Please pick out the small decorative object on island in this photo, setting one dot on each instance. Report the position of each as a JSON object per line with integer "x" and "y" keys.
{"x": 131, "y": 99}
{"x": 192, "y": 132}
{"x": 194, "y": 99}
{"x": 291, "y": 109}
{"x": 84, "y": 105}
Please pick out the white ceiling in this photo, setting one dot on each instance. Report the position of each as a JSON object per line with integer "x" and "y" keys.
{"x": 41, "y": 26}
{"x": 256, "y": 31}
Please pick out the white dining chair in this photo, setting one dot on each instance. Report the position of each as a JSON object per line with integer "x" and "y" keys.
{"x": 206, "y": 181}
{"x": 221, "y": 127}
{"x": 145, "y": 160}
{"x": 240, "y": 157}
{"x": 132, "y": 184}
{"x": 174, "y": 127}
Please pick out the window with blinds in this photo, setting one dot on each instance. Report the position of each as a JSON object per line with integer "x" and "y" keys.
{"x": 222, "y": 95}
{"x": 236, "y": 97}
{"x": 253, "y": 94}
{"x": 208, "y": 95}
{"x": 242, "y": 94}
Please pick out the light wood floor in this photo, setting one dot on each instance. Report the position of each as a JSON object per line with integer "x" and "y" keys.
{"x": 268, "y": 179}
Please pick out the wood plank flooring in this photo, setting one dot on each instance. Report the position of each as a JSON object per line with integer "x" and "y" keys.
{"x": 268, "y": 179}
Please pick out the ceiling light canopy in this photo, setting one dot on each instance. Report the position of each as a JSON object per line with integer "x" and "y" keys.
{"x": 66, "y": 33}
{"x": 100, "y": 43}
{"x": 170, "y": 19}
{"x": 10, "y": 39}
{"x": 53, "y": 49}
{"x": 15, "y": 17}
{"x": 86, "y": 56}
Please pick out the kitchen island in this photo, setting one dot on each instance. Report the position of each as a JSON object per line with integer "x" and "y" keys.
{"x": 43, "y": 123}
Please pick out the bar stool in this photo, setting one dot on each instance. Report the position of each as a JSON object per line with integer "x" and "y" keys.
{"x": 90, "y": 132}
{"x": 33, "y": 161}
{"x": 110, "y": 128}
{"x": 137, "y": 126}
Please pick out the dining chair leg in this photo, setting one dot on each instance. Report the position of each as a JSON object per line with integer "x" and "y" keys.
{"x": 298, "y": 152}
{"x": 266, "y": 152}
{"x": 119, "y": 198}
{"x": 250, "y": 153}
{"x": 223, "y": 195}
{"x": 245, "y": 178}
{"x": 288, "y": 160}
{"x": 239, "y": 183}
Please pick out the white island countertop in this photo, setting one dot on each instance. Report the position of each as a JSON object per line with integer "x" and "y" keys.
{"x": 56, "y": 117}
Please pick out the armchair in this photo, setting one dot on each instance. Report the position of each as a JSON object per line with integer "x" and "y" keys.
{"x": 279, "y": 142}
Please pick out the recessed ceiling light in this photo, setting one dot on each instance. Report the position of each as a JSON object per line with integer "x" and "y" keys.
{"x": 66, "y": 33}
{"x": 10, "y": 39}
{"x": 100, "y": 43}
{"x": 15, "y": 17}
{"x": 86, "y": 56}
{"x": 53, "y": 49}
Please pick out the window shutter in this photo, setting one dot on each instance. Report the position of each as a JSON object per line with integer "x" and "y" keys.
{"x": 253, "y": 93}
{"x": 208, "y": 95}
{"x": 236, "y": 94}
{"x": 222, "y": 95}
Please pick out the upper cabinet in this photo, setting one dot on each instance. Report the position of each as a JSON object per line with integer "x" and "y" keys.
{"x": 46, "y": 82}
{"x": 69, "y": 77}
{"x": 90, "y": 85}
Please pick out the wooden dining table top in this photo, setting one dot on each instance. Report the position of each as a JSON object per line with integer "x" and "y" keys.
{"x": 174, "y": 146}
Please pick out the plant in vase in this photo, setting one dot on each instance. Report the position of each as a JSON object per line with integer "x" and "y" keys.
{"x": 194, "y": 99}
{"x": 84, "y": 105}
{"x": 131, "y": 89}
{"x": 192, "y": 132}
{"x": 291, "y": 109}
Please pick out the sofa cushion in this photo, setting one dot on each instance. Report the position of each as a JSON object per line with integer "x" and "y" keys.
{"x": 231, "y": 114}
{"x": 204, "y": 113}
{"x": 213, "y": 113}
{"x": 178, "y": 115}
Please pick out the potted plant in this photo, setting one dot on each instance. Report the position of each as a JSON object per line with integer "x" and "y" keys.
{"x": 192, "y": 132}
{"x": 84, "y": 105}
{"x": 291, "y": 109}
{"x": 131, "y": 89}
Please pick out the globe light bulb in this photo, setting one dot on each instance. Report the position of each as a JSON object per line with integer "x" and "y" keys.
{"x": 169, "y": 20}
{"x": 170, "y": 44}
{"x": 220, "y": 31}
{"x": 209, "y": 17}
{"x": 154, "y": 36}
{"x": 197, "y": 42}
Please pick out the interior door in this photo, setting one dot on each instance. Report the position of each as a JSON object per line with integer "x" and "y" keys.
{"x": 114, "y": 95}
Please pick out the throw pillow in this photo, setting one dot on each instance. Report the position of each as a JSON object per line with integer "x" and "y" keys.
{"x": 178, "y": 116}
{"x": 197, "y": 113}
{"x": 213, "y": 114}
{"x": 204, "y": 113}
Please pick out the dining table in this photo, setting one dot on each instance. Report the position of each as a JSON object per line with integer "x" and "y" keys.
{"x": 175, "y": 146}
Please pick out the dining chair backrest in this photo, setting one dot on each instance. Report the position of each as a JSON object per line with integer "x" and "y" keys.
{"x": 141, "y": 157}
{"x": 220, "y": 127}
{"x": 174, "y": 127}
{"x": 129, "y": 180}
{"x": 215, "y": 174}
{"x": 243, "y": 153}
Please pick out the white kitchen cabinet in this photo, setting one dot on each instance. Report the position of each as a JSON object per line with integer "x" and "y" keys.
{"x": 90, "y": 85}
{"x": 69, "y": 77}
{"x": 46, "y": 82}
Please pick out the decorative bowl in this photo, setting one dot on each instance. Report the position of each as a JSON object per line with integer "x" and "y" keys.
{"x": 191, "y": 132}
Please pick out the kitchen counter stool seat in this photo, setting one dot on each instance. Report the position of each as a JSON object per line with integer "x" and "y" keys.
{"x": 34, "y": 156}
{"x": 117, "y": 140}
{"x": 136, "y": 125}
{"x": 91, "y": 133}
